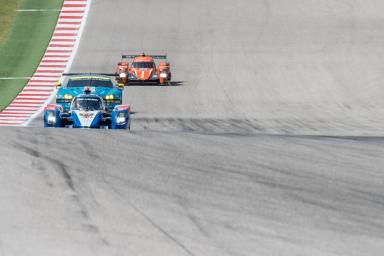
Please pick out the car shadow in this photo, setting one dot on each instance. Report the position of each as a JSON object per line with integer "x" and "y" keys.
{"x": 177, "y": 83}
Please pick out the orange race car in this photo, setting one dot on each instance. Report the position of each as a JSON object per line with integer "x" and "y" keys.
{"x": 143, "y": 70}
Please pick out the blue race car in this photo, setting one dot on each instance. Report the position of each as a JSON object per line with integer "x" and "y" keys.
{"x": 87, "y": 111}
{"x": 99, "y": 84}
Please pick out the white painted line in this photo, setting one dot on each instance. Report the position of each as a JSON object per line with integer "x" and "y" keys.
{"x": 38, "y": 10}
{"x": 15, "y": 78}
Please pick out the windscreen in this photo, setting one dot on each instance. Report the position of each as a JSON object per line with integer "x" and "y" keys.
{"x": 87, "y": 103}
{"x": 143, "y": 65}
{"x": 89, "y": 82}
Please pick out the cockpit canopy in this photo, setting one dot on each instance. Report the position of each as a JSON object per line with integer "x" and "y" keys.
{"x": 87, "y": 103}
{"x": 143, "y": 64}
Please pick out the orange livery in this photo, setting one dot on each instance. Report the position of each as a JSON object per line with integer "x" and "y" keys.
{"x": 143, "y": 70}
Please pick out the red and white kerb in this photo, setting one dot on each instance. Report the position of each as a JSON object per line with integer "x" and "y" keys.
{"x": 40, "y": 89}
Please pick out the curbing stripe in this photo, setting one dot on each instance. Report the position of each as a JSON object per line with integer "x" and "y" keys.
{"x": 16, "y": 115}
{"x": 65, "y": 34}
{"x": 62, "y": 56}
{"x": 18, "y": 112}
{"x": 73, "y": 52}
{"x": 24, "y": 108}
{"x": 11, "y": 123}
{"x": 54, "y": 71}
{"x": 63, "y": 40}
{"x": 69, "y": 23}
{"x": 68, "y": 28}
{"x": 58, "y": 57}
{"x": 54, "y": 61}
{"x": 61, "y": 45}
{"x": 39, "y": 86}
{"x": 71, "y": 17}
{"x": 11, "y": 118}
{"x": 74, "y": 5}
{"x": 52, "y": 65}
{"x": 72, "y": 12}
{"x": 39, "y": 89}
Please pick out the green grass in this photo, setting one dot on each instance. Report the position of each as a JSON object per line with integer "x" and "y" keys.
{"x": 24, "y": 44}
{"x": 7, "y": 16}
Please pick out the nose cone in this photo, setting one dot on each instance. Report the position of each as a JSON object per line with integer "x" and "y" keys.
{"x": 143, "y": 73}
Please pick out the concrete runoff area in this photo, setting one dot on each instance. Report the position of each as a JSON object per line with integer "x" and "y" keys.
{"x": 269, "y": 143}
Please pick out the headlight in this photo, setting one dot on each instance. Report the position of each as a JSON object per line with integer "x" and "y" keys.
{"x": 123, "y": 75}
{"x": 109, "y": 97}
{"x": 67, "y": 97}
{"x": 163, "y": 75}
{"x": 51, "y": 117}
{"x": 121, "y": 118}
{"x": 154, "y": 75}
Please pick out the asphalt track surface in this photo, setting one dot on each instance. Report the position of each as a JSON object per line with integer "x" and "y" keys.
{"x": 268, "y": 144}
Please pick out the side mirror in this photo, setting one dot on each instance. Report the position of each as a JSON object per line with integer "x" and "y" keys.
{"x": 121, "y": 86}
{"x": 58, "y": 84}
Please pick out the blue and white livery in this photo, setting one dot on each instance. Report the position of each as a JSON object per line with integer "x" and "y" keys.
{"x": 87, "y": 111}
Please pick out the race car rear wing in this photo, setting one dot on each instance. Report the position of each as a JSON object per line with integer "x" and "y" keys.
{"x": 89, "y": 74}
{"x": 132, "y": 56}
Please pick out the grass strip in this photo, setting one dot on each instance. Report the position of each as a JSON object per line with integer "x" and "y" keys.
{"x": 24, "y": 44}
{"x": 7, "y": 16}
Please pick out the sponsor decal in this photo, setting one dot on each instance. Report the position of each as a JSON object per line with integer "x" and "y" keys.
{"x": 86, "y": 114}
